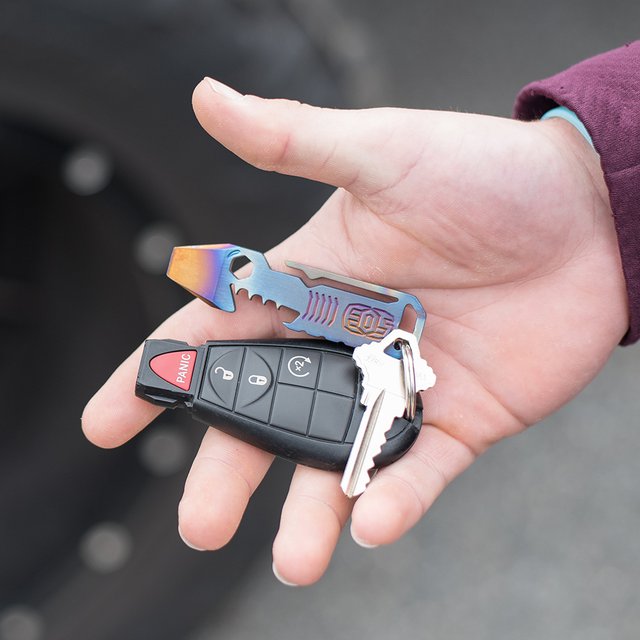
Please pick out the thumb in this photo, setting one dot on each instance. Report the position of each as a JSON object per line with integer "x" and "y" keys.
{"x": 344, "y": 148}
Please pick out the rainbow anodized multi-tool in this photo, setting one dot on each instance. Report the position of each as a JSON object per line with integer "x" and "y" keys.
{"x": 326, "y": 311}
{"x": 316, "y": 402}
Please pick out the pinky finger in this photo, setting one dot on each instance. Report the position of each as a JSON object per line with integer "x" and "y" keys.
{"x": 401, "y": 493}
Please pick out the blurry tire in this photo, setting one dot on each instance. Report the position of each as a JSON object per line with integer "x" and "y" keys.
{"x": 77, "y": 294}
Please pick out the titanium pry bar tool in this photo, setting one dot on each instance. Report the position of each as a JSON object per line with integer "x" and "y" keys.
{"x": 324, "y": 310}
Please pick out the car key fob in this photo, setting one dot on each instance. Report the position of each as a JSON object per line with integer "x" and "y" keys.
{"x": 298, "y": 399}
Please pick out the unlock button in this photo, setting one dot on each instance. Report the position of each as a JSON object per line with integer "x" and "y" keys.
{"x": 223, "y": 365}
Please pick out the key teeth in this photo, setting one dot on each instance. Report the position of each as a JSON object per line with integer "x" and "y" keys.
{"x": 375, "y": 448}
{"x": 365, "y": 479}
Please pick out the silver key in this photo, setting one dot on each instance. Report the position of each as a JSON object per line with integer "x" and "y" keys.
{"x": 385, "y": 397}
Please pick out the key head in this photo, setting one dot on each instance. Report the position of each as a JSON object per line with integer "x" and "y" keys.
{"x": 381, "y": 366}
{"x": 380, "y": 371}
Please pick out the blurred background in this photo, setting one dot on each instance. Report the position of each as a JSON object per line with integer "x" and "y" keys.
{"x": 103, "y": 169}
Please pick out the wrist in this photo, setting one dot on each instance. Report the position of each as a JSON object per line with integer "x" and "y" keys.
{"x": 570, "y": 140}
{"x": 601, "y": 240}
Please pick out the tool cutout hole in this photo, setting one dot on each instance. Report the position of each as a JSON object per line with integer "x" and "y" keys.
{"x": 242, "y": 267}
{"x": 312, "y": 277}
{"x": 409, "y": 319}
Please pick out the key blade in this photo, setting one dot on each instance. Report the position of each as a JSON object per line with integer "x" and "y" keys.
{"x": 370, "y": 438}
{"x": 354, "y": 481}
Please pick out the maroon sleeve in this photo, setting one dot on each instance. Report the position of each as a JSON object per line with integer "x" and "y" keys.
{"x": 604, "y": 92}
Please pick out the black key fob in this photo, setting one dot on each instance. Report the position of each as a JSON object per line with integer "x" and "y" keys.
{"x": 298, "y": 399}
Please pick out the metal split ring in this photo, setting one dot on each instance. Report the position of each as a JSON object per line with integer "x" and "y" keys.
{"x": 409, "y": 379}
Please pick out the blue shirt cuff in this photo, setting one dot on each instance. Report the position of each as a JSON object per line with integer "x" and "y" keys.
{"x": 571, "y": 117}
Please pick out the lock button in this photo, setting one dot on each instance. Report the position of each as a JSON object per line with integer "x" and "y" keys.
{"x": 256, "y": 383}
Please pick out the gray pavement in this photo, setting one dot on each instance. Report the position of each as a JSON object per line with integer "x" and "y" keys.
{"x": 539, "y": 540}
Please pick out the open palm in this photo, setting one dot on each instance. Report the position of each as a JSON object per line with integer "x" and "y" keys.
{"x": 502, "y": 229}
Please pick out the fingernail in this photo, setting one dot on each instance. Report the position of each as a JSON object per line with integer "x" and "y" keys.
{"x": 362, "y": 543}
{"x": 191, "y": 546}
{"x": 223, "y": 89}
{"x": 277, "y": 575}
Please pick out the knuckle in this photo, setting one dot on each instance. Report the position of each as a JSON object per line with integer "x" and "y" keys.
{"x": 277, "y": 147}
{"x": 275, "y": 151}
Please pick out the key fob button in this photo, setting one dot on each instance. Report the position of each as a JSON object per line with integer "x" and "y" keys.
{"x": 331, "y": 416}
{"x": 291, "y": 408}
{"x": 300, "y": 367}
{"x": 256, "y": 379}
{"x": 175, "y": 367}
{"x": 258, "y": 409}
{"x": 338, "y": 375}
{"x": 223, "y": 372}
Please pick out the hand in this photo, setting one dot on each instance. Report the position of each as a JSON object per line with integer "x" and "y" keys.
{"x": 504, "y": 231}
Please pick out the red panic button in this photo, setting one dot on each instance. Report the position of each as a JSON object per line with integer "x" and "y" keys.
{"x": 175, "y": 367}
